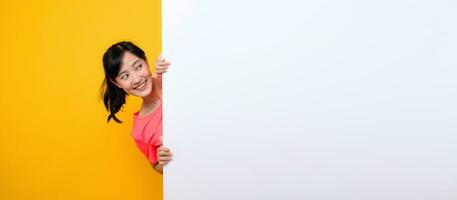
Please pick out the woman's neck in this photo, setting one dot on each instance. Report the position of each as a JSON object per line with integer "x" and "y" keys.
{"x": 150, "y": 102}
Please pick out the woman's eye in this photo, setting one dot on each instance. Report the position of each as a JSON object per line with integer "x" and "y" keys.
{"x": 139, "y": 66}
{"x": 125, "y": 76}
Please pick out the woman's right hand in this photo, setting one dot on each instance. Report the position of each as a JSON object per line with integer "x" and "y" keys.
{"x": 161, "y": 65}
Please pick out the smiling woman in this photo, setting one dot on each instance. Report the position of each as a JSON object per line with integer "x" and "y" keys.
{"x": 127, "y": 72}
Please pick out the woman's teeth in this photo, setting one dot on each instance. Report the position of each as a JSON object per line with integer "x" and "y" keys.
{"x": 142, "y": 86}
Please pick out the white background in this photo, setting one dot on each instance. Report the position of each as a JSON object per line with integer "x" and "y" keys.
{"x": 310, "y": 100}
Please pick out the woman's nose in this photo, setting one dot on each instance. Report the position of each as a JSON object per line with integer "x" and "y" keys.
{"x": 136, "y": 80}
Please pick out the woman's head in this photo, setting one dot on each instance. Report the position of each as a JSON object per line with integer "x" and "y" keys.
{"x": 126, "y": 73}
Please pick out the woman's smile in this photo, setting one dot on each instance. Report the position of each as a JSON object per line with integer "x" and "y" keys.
{"x": 142, "y": 86}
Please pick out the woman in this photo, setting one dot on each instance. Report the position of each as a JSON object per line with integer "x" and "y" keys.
{"x": 127, "y": 73}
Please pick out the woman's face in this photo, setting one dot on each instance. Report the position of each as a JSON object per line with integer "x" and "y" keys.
{"x": 134, "y": 76}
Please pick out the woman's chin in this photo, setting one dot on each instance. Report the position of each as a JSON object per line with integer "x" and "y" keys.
{"x": 143, "y": 94}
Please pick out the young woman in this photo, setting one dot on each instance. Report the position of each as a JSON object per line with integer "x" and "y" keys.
{"x": 127, "y": 73}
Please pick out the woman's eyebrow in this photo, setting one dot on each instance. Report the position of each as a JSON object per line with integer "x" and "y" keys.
{"x": 134, "y": 62}
{"x": 123, "y": 72}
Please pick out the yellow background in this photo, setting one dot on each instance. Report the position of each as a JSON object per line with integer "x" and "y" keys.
{"x": 55, "y": 142}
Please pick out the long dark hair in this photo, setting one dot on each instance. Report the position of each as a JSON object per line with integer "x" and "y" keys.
{"x": 113, "y": 96}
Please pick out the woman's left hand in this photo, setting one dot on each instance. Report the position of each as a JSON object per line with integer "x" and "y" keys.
{"x": 164, "y": 155}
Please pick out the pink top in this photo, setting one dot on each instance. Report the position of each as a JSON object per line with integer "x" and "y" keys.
{"x": 146, "y": 132}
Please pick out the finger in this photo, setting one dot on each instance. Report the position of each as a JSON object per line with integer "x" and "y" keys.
{"x": 163, "y": 162}
{"x": 161, "y": 67}
{"x": 163, "y": 63}
{"x": 163, "y": 153}
{"x": 165, "y": 159}
{"x": 159, "y": 61}
{"x": 160, "y": 71}
{"x": 164, "y": 66}
{"x": 160, "y": 150}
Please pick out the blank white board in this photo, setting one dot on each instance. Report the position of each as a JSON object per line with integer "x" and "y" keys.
{"x": 316, "y": 100}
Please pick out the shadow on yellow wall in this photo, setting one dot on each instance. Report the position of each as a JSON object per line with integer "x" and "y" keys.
{"x": 55, "y": 142}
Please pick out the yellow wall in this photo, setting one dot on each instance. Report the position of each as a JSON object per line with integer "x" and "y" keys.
{"x": 55, "y": 142}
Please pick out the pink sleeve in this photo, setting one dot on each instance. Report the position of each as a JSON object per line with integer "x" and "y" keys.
{"x": 149, "y": 151}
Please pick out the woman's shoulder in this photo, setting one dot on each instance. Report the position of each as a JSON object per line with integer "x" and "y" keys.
{"x": 157, "y": 110}
{"x": 148, "y": 126}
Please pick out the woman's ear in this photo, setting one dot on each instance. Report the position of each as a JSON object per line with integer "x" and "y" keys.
{"x": 114, "y": 82}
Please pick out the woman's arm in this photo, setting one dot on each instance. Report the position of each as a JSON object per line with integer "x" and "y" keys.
{"x": 158, "y": 167}
{"x": 164, "y": 154}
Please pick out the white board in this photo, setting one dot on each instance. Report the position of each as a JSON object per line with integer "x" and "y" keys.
{"x": 310, "y": 100}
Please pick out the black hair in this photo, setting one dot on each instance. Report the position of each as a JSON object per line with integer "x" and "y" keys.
{"x": 113, "y": 96}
